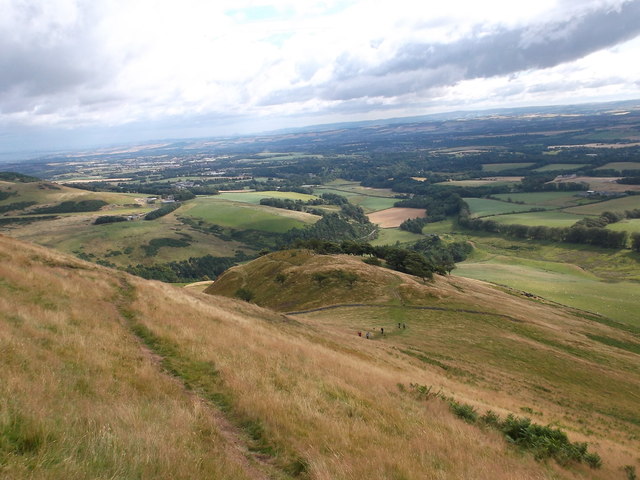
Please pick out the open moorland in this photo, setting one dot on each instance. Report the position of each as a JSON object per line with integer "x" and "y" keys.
{"x": 106, "y": 374}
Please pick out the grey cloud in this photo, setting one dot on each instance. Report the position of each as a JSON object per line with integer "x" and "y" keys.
{"x": 507, "y": 51}
{"x": 37, "y": 65}
{"x": 418, "y": 67}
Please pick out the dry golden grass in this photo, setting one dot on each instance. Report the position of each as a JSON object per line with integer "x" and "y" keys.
{"x": 78, "y": 396}
{"x": 81, "y": 397}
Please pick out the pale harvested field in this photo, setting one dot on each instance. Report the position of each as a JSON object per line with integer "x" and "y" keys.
{"x": 601, "y": 184}
{"x": 393, "y": 217}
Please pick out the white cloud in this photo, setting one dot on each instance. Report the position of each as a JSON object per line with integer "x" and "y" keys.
{"x": 69, "y": 63}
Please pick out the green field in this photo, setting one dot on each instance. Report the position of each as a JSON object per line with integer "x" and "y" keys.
{"x": 560, "y": 282}
{"x": 545, "y": 199}
{"x": 552, "y": 218}
{"x": 255, "y": 197}
{"x": 616, "y": 205}
{"x": 370, "y": 199}
{"x": 239, "y": 215}
{"x": 560, "y": 166}
{"x": 481, "y": 207}
{"x": 631, "y": 225}
{"x": 389, "y": 236}
{"x": 499, "y": 167}
{"x": 620, "y": 166}
{"x": 477, "y": 183}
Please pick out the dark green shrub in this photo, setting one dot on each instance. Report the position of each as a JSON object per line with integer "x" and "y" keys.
{"x": 373, "y": 261}
{"x": 244, "y": 294}
{"x": 465, "y": 411}
{"x": 630, "y": 471}
{"x": 593, "y": 460}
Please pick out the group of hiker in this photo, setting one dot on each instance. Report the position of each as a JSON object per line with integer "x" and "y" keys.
{"x": 368, "y": 335}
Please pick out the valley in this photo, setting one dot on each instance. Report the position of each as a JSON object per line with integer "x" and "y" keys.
{"x": 495, "y": 275}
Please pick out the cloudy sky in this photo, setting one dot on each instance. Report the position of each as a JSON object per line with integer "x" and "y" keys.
{"x": 80, "y": 72}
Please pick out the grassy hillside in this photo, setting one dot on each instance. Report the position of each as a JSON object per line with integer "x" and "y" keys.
{"x": 104, "y": 375}
{"x": 46, "y": 193}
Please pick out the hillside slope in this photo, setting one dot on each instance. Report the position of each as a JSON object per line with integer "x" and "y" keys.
{"x": 104, "y": 375}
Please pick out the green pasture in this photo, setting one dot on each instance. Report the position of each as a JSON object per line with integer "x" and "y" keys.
{"x": 255, "y": 197}
{"x": 631, "y": 225}
{"x": 560, "y": 166}
{"x": 499, "y": 167}
{"x": 630, "y": 202}
{"x": 620, "y": 166}
{"x": 553, "y": 218}
{"x": 370, "y": 199}
{"x": 545, "y": 199}
{"x": 476, "y": 183}
{"x": 347, "y": 188}
{"x": 391, "y": 236}
{"x": 480, "y": 207}
{"x": 560, "y": 282}
{"x": 243, "y": 216}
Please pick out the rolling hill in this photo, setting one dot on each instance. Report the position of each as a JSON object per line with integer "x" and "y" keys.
{"x": 106, "y": 375}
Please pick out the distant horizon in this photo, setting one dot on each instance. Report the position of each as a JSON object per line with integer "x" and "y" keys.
{"x": 18, "y": 156}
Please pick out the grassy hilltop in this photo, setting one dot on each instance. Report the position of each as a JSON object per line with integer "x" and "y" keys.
{"x": 105, "y": 375}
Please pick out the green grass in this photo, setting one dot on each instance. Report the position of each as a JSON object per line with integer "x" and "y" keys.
{"x": 560, "y": 166}
{"x": 619, "y": 166}
{"x": 616, "y": 205}
{"x": 255, "y": 197}
{"x": 480, "y": 207}
{"x": 370, "y": 199}
{"x": 389, "y": 236}
{"x": 476, "y": 183}
{"x": 246, "y": 217}
{"x": 560, "y": 282}
{"x": 548, "y": 218}
{"x": 630, "y": 225}
{"x": 499, "y": 167}
{"x": 546, "y": 199}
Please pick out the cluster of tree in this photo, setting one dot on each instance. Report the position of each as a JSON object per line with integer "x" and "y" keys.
{"x": 596, "y": 236}
{"x": 15, "y": 206}
{"x": 25, "y": 220}
{"x": 350, "y": 223}
{"x": 602, "y": 221}
{"x": 6, "y": 194}
{"x": 442, "y": 253}
{"x": 432, "y": 256}
{"x": 160, "y": 189}
{"x": 151, "y": 249}
{"x": 629, "y": 181}
{"x": 192, "y": 270}
{"x": 162, "y": 211}
{"x": 635, "y": 241}
{"x": 109, "y": 219}
{"x": 17, "y": 177}
{"x": 71, "y": 206}
{"x": 439, "y": 204}
{"x": 414, "y": 225}
{"x": 540, "y": 183}
{"x": 300, "y": 205}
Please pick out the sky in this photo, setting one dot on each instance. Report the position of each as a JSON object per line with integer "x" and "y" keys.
{"x": 75, "y": 73}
